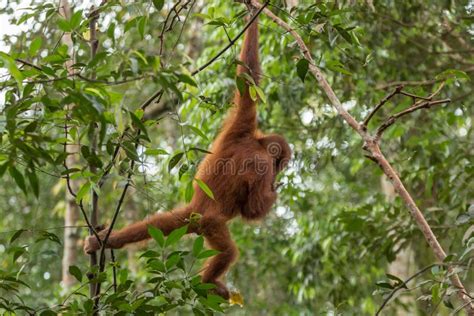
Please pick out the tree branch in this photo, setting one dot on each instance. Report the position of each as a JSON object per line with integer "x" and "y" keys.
{"x": 378, "y": 106}
{"x": 392, "y": 119}
{"x": 404, "y": 284}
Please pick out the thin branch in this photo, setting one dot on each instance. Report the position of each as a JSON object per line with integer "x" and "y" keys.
{"x": 380, "y": 104}
{"x": 79, "y": 75}
{"x": 388, "y": 85}
{"x": 114, "y": 270}
{"x": 393, "y": 118}
{"x": 414, "y": 96}
{"x": 405, "y": 283}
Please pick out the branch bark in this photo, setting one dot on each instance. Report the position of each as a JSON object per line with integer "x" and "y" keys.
{"x": 372, "y": 145}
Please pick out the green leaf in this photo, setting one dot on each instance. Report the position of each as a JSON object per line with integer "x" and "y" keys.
{"x": 240, "y": 82}
{"x": 141, "y": 25}
{"x": 17, "y": 235}
{"x": 130, "y": 150}
{"x": 207, "y": 253}
{"x": 453, "y": 73}
{"x": 150, "y": 253}
{"x": 198, "y": 245}
{"x": 33, "y": 179}
{"x": 176, "y": 235}
{"x": 159, "y": 4}
{"x": 155, "y": 152}
{"x": 344, "y": 33}
{"x": 85, "y": 188}
{"x": 184, "y": 168}
{"x": 157, "y": 235}
{"x": 18, "y": 251}
{"x": 187, "y": 79}
{"x": 197, "y": 131}
{"x": 3, "y": 168}
{"x": 302, "y": 68}
{"x": 18, "y": 177}
{"x": 189, "y": 192}
{"x": 338, "y": 67}
{"x": 260, "y": 93}
{"x": 174, "y": 160}
{"x": 64, "y": 25}
{"x": 76, "y": 19}
{"x": 45, "y": 235}
{"x": 397, "y": 279}
{"x": 76, "y": 272}
{"x": 205, "y": 188}
{"x": 253, "y": 93}
{"x": 172, "y": 260}
{"x": 35, "y": 46}
{"x": 138, "y": 123}
{"x": 384, "y": 284}
{"x": 12, "y": 68}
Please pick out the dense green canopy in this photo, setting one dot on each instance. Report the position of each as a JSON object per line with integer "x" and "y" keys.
{"x": 339, "y": 239}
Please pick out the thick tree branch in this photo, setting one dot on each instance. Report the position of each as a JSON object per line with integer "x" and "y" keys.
{"x": 373, "y": 147}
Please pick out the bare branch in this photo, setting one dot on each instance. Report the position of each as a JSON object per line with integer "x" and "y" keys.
{"x": 381, "y": 103}
{"x": 388, "y": 85}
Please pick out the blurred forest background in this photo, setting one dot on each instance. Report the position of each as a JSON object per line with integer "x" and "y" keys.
{"x": 338, "y": 241}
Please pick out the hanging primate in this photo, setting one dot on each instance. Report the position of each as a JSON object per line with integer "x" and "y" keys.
{"x": 240, "y": 171}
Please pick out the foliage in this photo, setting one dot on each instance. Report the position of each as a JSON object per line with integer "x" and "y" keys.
{"x": 329, "y": 244}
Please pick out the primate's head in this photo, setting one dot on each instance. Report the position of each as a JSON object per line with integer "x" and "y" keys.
{"x": 278, "y": 149}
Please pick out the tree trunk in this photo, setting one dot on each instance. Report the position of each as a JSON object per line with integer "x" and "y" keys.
{"x": 71, "y": 234}
{"x": 71, "y": 216}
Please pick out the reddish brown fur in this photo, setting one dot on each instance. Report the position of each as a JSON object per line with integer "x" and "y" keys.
{"x": 240, "y": 171}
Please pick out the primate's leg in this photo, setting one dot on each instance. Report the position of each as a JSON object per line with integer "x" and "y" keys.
{"x": 218, "y": 237}
{"x": 166, "y": 221}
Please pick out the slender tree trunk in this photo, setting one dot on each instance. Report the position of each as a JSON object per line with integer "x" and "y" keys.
{"x": 71, "y": 216}
{"x": 71, "y": 235}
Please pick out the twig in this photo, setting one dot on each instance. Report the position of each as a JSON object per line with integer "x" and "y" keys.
{"x": 380, "y": 104}
{"x": 77, "y": 74}
{"x": 373, "y": 147}
{"x": 404, "y": 283}
{"x": 392, "y": 119}
{"x": 384, "y": 86}
{"x": 423, "y": 103}
{"x": 414, "y": 96}
{"x": 114, "y": 270}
